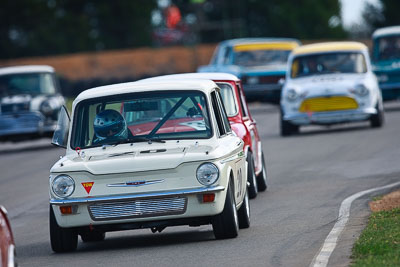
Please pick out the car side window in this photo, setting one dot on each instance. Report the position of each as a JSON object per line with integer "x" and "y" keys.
{"x": 227, "y": 126}
{"x": 242, "y": 101}
{"x": 227, "y": 56}
{"x": 218, "y": 114}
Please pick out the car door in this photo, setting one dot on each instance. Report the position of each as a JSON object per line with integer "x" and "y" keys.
{"x": 224, "y": 130}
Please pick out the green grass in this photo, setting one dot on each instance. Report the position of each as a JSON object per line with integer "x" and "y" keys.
{"x": 377, "y": 198}
{"x": 379, "y": 243}
{"x": 68, "y": 104}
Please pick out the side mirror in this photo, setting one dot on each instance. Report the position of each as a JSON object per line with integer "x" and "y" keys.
{"x": 60, "y": 136}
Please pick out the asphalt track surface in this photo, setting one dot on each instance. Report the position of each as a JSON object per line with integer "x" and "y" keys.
{"x": 310, "y": 174}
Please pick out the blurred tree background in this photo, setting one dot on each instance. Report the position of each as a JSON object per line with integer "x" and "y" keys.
{"x": 51, "y": 27}
{"x": 386, "y": 13}
{"x": 48, "y": 27}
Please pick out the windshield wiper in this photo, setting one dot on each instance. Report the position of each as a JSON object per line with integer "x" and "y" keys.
{"x": 134, "y": 140}
{"x": 143, "y": 139}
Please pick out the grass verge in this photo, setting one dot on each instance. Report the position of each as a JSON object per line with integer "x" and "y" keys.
{"x": 68, "y": 104}
{"x": 379, "y": 243}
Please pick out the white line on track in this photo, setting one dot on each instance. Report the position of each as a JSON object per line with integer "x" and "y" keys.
{"x": 322, "y": 257}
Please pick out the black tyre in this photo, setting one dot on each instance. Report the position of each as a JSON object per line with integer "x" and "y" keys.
{"x": 244, "y": 212}
{"x": 288, "y": 128}
{"x": 262, "y": 176}
{"x": 377, "y": 120}
{"x": 251, "y": 176}
{"x": 62, "y": 239}
{"x": 226, "y": 224}
{"x": 93, "y": 236}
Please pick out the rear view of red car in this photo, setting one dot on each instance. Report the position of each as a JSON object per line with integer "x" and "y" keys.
{"x": 7, "y": 245}
{"x": 241, "y": 121}
{"x": 244, "y": 126}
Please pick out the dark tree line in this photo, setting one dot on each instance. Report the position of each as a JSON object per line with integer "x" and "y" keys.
{"x": 384, "y": 14}
{"x": 47, "y": 27}
{"x": 50, "y": 27}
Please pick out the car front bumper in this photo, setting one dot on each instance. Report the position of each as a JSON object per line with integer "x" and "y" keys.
{"x": 390, "y": 91}
{"x": 139, "y": 207}
{"x": 331, "y": 117}
{"x": 25, "y": 123}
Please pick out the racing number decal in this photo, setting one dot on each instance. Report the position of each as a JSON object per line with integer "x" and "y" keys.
{"x": 88, "y": 186}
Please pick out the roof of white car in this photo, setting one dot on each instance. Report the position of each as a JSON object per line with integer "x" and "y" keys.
{"x": 215, "y": 76}
{"x": 329, "y": 47}
{"x": 240, "y": 41}
{"x": 133, "y": 87}
{"x": 386, "y": 31}
{"x": 26, "y": 69}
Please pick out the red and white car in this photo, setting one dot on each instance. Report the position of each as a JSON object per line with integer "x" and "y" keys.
{"x": 241, "y": 122}
{"x": 7, "y": 245}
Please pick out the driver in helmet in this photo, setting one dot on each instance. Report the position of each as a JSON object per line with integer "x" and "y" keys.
{"x": 109, "y": 125}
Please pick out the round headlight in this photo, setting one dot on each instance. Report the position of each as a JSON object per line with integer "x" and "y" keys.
{"x": 63, "y": 186}
{"x": 252, "y": 80}
{"x": 46, "y": 108}
{"x": 291, "y": 95}
{"x": 207, "y": 173}
{"x": 361, "y": 90}
{"x": 383, "y": 78}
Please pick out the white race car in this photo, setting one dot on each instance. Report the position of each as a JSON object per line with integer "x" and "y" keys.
{"x": 147, "y": 155}
{"x": 329, "y": 83}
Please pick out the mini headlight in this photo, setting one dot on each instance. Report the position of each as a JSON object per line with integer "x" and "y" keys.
{"x": 63, "y": 186}
{"x": 46, "y": 108}
{"x": 252, "y": 80}
{"x": 361, "y": 90}
{"x": 382, "y": 78}
{"x": 207, "y": 173}
{"x": 291, "y": 95}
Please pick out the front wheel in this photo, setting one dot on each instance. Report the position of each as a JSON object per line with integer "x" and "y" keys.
{"x": 244, "y": 212}
{"x": 226, "y": 224}
{"x": 288, "y": 128}
{"x": 377, "y": 119}
{"x": 262, "y": 176}
{"x": 251, "y": 176}
{"x": 62, "y": 239}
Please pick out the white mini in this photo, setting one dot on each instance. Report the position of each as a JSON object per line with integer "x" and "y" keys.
{"x": 329, "y": 83}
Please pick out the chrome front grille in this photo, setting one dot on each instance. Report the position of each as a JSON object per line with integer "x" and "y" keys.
{"x": 137, "y": 208}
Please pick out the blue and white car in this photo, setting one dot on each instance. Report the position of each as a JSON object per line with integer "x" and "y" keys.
{"x": 259, "y": 62}
{"x": 30, "y": 101}
{"x": 386, "y": 60}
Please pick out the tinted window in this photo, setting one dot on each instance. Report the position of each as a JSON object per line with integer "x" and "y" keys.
{"x": 228, "y": 97}
{"x": 27, "y": 83}
{"x": 388, "y": 48}
{"x": 342, "y": 62}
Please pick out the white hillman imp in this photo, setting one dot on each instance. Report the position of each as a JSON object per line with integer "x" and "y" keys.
{"x": 147, "y": 155}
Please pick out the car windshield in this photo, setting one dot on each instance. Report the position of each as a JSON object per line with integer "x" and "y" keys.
{"x": 138, "y": 117}
{"x": 388, "y": 48}
{"x": 27, "y": 83}
{"x": 254, "y": 58}
{"x": 228, "y": 98}
{"x": 340, "y": 62}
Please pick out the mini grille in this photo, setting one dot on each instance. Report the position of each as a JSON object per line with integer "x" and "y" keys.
{"x": 333, "y": 103}
{"x": 137, "y": 208}
{"x": 8, "y": 108}
{"x": 265, "y": 79}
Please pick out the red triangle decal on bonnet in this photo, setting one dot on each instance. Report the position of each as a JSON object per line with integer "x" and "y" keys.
{"x": 88, "y": 186}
